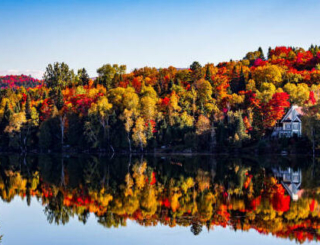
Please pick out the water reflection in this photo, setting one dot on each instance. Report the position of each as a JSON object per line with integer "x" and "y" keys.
{"x": 277, "y": 196}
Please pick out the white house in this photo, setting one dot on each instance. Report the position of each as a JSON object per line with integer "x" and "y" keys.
{"x": 291, "y": 180}
{"x": 290, "y": 124}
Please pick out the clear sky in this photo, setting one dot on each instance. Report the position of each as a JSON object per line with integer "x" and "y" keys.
{"x": 30, "y": 226}
{"x": 159, "y": 33}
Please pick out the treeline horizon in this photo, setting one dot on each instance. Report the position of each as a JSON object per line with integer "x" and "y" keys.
{"x": 212, "y": 108}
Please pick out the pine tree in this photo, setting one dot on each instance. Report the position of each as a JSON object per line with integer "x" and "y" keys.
{"x": 242, "y": 82}
{"x": 261, "y": 54}
{"x": 311, "y": 47}
{"x": 234, "y": 83}
{"x": 209, "y": 75}
{"x": 83, "y": 76}
{"x": 28, "y": 108}
{"x": 269, "y": 53}
{"x": 170, "y": 85}
{"x": 196, "y": 69}
{"x": 59, "y": 100}
{"x": 6, "y": 116}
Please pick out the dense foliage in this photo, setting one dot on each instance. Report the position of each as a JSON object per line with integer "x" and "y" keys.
{"x": 14, "y": 82}
{"x": 203, "y": 108}
{"x": 238, "y": 193}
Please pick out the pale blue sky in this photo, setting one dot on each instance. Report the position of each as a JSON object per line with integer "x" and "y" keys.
{"x": 30, "y": 227}
{"x": 141, "y": 33}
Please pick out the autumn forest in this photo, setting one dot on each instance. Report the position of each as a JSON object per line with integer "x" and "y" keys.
{"x": 200, "y": 193}
{"x": 228, "y": 107}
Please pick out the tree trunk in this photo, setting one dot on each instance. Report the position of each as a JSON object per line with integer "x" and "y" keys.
{"x": 141, "y": 144}
{"x": 213, "y": 138}
{"x": 25, "y": 139}
{"x": 313, "y": 142}
{"x": 129, "y": 141}
{"x": 62, "y": 122}
{"x": 108, "y": 136}
{"x": 62, "y": 180}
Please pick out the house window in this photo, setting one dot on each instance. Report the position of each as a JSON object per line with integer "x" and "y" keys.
{"x": 296, "y": 126}
{"x": 288, "y": 126}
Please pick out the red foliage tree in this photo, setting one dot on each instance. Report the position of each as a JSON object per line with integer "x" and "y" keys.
{"x": 274, "y": 109}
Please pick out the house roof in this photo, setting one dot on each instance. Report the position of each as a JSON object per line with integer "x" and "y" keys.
{"x": 294, "y": 114}
{"x": 299, "y": 109}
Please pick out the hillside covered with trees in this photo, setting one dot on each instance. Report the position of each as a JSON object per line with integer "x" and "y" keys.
{"x": 15, "y": 82}
{"x": 211, "y": 108}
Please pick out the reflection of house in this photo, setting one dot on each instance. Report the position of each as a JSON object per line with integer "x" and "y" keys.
{"x": 290, "y": 124}
{"x": 290, "y": 180}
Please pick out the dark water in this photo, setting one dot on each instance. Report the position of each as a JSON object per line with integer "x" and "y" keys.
{"x": 50, "y": 199}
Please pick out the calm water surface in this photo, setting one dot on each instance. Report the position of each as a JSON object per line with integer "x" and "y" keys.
{"x": 158, "y": 200}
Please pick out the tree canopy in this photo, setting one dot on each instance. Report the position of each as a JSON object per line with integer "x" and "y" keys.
{"x": 150, "y": 108}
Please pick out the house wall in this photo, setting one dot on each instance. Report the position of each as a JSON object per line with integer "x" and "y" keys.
{"x": 286, "y": 127}
{"x": 294, "y": 128}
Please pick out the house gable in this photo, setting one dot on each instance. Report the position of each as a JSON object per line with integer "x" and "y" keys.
{"x": 293, "y": 115}
{"x": 290, "y": 124}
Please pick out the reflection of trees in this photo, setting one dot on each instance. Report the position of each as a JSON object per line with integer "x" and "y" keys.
{"x": 226, "y": 193}
{"x": 57, "y": 212}
{"x": 83, "y": 217}
{"x": 109, "y": 220}
{"x": 196, "y": 228}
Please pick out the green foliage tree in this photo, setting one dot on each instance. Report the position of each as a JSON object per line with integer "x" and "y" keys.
{"x": 261, "y": 53}
{"x": 58, "y": 75}
{"x": 196, "y": 69}
{"x": 83, "y": 77}
{"x": 108, "y": 75}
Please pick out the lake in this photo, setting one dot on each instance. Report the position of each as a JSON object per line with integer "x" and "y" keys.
{"x": 171, "y": 199}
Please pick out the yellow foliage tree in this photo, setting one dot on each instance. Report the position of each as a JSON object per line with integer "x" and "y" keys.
{"x": 139, "y": 133}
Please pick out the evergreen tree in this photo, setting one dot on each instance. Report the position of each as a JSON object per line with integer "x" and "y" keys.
{"x": 195, "y": 66}
{"x": 196, "y": 69}
{"x": 261, "y": 54}
{"x": 234, "y": 83}
{"x": 209, "y": 75}
{"x": 242, "y": 82}
{"x": 6, "y": 116}
{"x": 170, "y": 85}
{"x": 196, "y": 228}
{"x": 83, "y": 76}
{"x": 269, "y": 52}
{"x": 59, "y": 100}
{"x": 311, "y": 47}
{"x": 28, "y": 107}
